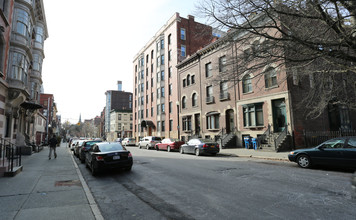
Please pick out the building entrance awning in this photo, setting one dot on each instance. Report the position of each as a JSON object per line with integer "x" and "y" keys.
{"x": 30, "y": 105}
{"x": 147, "y": 123}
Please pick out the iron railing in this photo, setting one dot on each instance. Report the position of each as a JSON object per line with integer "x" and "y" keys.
{"x": 281, "y": 138}
{"x": 10, "y": 155}
{"x": 314, "y": 138}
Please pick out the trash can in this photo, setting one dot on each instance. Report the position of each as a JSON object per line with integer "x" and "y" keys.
{"x": 254, "y": 143}
{"x": 247, "y": 142}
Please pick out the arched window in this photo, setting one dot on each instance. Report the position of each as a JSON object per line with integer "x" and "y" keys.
{"x": 184, "y": 102}
{"x": 270, "y": 78}
{"x": 188, "y": 80}
{"x": 194, "y": 100}
{"x": 246, "y": 84}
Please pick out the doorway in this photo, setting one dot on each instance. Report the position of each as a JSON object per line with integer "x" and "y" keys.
{"x": 229, "y": 121}
{"x": 279, "y": 115}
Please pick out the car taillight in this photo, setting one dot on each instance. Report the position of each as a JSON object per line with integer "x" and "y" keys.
{"x": 130, "y": 155}
{"x": 99, "y": 158}
{"x": 205, "y": 146}
{"x": 217, "y": 146}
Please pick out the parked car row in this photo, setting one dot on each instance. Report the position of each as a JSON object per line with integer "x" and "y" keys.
{"x": 197, "y": 146}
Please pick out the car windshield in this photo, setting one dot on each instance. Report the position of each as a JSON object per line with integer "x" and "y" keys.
{"x": 91, "y": 143}
{"x": 174, "y": 139}
{"x": 110, "y": 147}
{"x": 156, "y": 138}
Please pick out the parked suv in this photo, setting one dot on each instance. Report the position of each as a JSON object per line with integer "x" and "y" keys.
{"x": 149, "y": 142}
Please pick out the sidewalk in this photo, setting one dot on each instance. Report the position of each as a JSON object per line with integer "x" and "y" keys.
{"x": 243, "y": 152}
{"x": 47, "y": 189}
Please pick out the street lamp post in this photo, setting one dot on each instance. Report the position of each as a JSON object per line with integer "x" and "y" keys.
{"x": 177, "y": 103}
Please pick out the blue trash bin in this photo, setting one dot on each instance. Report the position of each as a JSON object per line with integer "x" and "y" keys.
{"x": 247, "y": 142}
{"x": 254, "y": 143}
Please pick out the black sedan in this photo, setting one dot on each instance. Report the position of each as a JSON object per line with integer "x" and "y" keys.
{"x": 200, "y": 146}
{"x": 335, "y": 152}
{"x": 106, "y": 156}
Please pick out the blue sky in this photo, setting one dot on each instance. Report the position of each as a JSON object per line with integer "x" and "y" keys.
{"x": 92, "y": 44}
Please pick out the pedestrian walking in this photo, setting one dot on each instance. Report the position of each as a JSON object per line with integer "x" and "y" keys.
{"x": 52, "y": 147}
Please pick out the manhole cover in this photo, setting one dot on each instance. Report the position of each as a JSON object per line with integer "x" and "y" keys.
{"x": 68, "y": 183}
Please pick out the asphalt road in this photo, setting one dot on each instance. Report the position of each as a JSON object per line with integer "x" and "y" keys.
{"x": 166, "y": 185}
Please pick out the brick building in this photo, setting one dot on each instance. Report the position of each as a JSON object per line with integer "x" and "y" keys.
{"x": 155, "y": 75}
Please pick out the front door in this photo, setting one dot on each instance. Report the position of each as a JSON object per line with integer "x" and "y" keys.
{"x": 279, "y": 115}
{"x": 229, "y": 121}
{"x": 197, "y": 124}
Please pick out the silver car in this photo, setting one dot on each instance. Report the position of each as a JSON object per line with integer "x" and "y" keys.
{"x": 149, "y": 142}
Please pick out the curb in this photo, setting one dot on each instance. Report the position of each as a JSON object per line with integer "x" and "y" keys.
{"x": 256, "y": 157}
{"x": 94, "y": 207}
{"x": 353, "y": 187}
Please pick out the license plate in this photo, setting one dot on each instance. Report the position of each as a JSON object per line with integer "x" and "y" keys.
{"x": 116, "y": 157}
{"x": 212, "y": 146}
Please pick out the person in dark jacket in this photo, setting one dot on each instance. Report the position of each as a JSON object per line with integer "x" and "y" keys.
{"x": 52, "y": 147}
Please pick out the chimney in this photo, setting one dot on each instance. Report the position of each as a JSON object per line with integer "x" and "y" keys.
{"x": 119, "y": 85}
{"x": 191, "y": 17}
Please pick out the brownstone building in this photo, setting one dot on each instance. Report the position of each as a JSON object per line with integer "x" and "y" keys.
{"x": 257, "y": 102}
{"x": 155, "y": 75}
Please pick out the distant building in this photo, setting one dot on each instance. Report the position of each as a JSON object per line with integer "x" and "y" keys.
{"x": 120, "y": 124}
{"x": 116, "y": 100}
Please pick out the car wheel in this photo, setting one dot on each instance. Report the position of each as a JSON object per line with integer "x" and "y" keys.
{"x": 147, "y": 147}
{"x": 168, "y": 149}
{"x": 197, "y": 152}
{"x": 86, "y": 164}
{"x": 304, "y": 161}
{"x": 139, "y": 146}
{"x": 157, "y": 149}
{"x": 181, "y": 150}
{"x": 94, "y": 171}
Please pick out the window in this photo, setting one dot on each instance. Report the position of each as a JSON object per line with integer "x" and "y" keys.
{"x": 246, "y": 84}
{"x": 158, "y": 125}
{"x": 151, "y": 54}
{"x": 23, "y": 24}
{"x": 222, "y": 64}
{"x": 188, "y": 80}
{"x": 212, "y": 121}
{"x": 194, "y": 100}
{"x": 151, "y": 82}
{"x": 158, "y": 92}
{"x": 253, "y": 115}
{"x": 184, "y": 102}
{"x": 270, "y": 78}
{"x": 169, "y": 55}
{"x": 224, "y": 95}
{"x": 187, "y": 123}
{"x": 162, "y": 92}
{"x": 146, "y": 112}
{"x": 158, "y": 62}
{"x": 162, "y": 43}
{"x": 147, "y": 58}
{"x": 170, "y": 125}
{"x": 170, "y": 72}
{"x": 152, "y": 96}
{"x": 169, "y": 39}
{"x": 170, "y": 106}
{"x": 158, "y": 108}
{"x": 119, "y": 117}
{"x": 209, "y": 94}
{"x": 151, "y": 67}
{"x": 193, "y": 79}
{"x": 182, "y": 34}
{"x": 39, "y": 35}
{"x": 146, "y": 85}
{"x": 146, "y": 99}
{"x": 182, "y": 50}
{"x": 151, "y": 111}
{"x": 184, "y": 82}
{"x": 162, "y": 75}
{"x": 19, "y": 68}
{"x": 142, "y": 87}
{"x": 162, "y": 59}
{"x": 170, "y": 88}
{"x": 163, "y": 126}
{"x": 36, "y": 62}
{"x": 163, "y": 108}
{"x": 208, "y": 68}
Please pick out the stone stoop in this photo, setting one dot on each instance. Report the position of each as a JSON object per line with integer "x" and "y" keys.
{"x": 13, "y": 173}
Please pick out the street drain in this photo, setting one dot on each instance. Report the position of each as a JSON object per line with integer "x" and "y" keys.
{"x": 68, "y": 183}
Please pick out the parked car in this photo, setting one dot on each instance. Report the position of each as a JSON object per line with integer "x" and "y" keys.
{"x": 149, "y": 142}
{"x": 199, "y": 146}
{"x": 85, "y": 147}
{"x": 118, "y": 140}
{"x": 107, "y": 156}
{"x": 78, "y": 145}
{"x": 169, "y": 144}
{"x": 335, "y": 152}
{"x": 128, "y": 142}
{"x": 73, "y": 143}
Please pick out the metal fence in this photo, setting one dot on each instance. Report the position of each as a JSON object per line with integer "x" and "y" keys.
{"x": 314, "y": 138}
{"x": 10, "y": 155}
